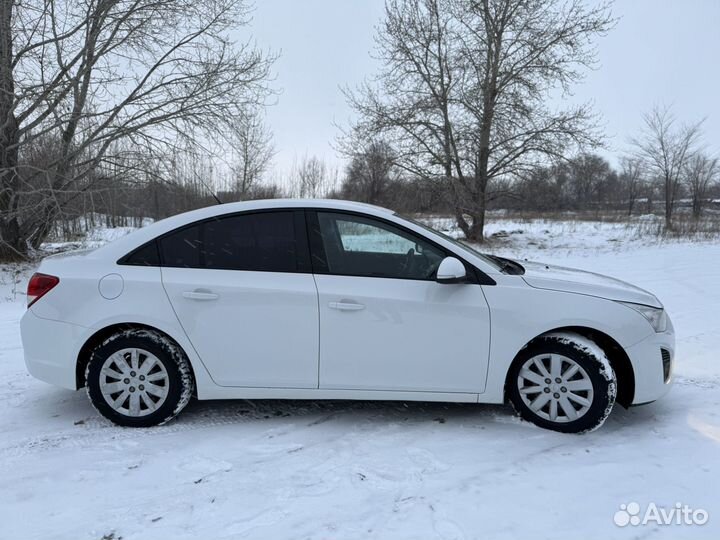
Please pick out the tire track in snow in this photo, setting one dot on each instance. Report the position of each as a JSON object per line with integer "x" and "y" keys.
{"x": 95, "y": 430}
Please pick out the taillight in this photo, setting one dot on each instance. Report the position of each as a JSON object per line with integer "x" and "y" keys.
{"x": 39, "y": 285}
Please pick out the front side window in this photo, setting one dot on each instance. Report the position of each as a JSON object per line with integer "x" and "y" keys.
{"x": 491, "y": 261}
{"x": 360, "y": 246}
{"x": 263, "y": 242}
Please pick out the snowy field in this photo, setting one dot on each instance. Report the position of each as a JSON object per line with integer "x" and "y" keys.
{"x": 344, "y": 470}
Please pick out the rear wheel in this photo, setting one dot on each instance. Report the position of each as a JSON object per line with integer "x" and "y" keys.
{"x": 562, "y": 382}
{"x": 139, "y": 378}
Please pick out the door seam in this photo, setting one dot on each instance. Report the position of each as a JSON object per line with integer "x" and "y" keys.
{"x": 317, "y": 298}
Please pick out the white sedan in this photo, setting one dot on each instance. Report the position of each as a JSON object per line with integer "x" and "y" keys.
{"x": 304, "y": 299}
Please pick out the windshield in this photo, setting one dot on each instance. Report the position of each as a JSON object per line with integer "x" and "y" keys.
{"x": 492, "y": 261}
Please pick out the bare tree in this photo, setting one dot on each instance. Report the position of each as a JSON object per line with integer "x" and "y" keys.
{"x": 666, "y": 148}
{"x": 311, "y": 177}
{"x": 87, "y": 75}
{"x": 701, "y": 173}
{"x": 370, "y": 172}
{"x": 253, "y": 149}
{"x": 589, "y": 176}
{"x": 631, "y": 180}
{"x": 463, "y": 90}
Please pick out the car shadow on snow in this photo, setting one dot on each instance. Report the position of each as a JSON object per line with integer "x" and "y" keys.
{"x": 318, "y": 412}
{"x": 61, "y": 405}
{"x": 313, "y": 413}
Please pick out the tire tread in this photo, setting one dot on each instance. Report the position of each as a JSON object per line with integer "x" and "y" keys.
{"x": 174, "y": 352}
{"x": 584, "y": 351}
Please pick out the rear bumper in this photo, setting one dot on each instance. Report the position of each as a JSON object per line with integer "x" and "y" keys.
{"x": 50, "y": 349}
{"x": 652, "y": 379}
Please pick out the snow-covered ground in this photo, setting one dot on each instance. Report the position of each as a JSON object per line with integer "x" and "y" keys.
{"x": 303, "y": 470}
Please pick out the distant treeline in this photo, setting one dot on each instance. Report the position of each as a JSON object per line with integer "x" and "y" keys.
{"x": 586, "y": 183}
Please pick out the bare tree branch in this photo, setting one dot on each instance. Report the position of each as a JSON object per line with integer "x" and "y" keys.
{"x": 104, "y": 74}
{"x": 462, "y": 93}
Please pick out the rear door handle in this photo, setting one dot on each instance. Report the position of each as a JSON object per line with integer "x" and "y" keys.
{"x": 199, "y": 294}
{"x": 346, "y": 306}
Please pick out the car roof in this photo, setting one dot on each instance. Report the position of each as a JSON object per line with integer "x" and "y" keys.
{"x": 123, "y": 245}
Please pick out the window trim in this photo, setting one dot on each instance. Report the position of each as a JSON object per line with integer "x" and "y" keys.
{"x": 303, "y": 255}
{"x": 319, "y": 258}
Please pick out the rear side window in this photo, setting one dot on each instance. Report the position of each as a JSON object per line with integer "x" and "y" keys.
{"x": 264, "y": 242}
{"x": 146, "y": 255}
{"x": 182, "y": 248}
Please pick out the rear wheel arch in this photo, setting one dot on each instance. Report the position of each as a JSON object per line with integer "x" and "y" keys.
{"x": 101, "y": 335}
{"x": 619, "y": 360}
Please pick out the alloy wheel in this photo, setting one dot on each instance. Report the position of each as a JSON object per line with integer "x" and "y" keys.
{"x": 555, "y": 387}
{"x": 134, "y": 382}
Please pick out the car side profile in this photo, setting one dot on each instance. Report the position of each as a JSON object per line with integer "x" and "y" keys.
{"x": 319, "y": 299}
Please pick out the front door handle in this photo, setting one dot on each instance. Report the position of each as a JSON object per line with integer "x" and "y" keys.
{"x": 346, "y": 305}
{"x": 200, "y": 294}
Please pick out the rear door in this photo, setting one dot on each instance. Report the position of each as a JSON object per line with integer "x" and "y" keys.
{"x": 385, "y": 323}
{"x": 242, "y": 289}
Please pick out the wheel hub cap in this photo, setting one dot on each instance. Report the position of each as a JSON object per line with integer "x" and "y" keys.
{"x": 555, "y": 388}
{"x": 134, "y": 382}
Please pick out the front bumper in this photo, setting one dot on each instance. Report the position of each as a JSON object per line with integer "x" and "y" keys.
{"x": 51, "y": 349}
{"x": 653, "y": 378}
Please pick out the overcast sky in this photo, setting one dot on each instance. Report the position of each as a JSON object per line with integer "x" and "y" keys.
{"x": 661, "y": 51}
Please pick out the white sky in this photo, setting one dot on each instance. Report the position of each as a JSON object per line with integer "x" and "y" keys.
{"x": 661, "y": 51}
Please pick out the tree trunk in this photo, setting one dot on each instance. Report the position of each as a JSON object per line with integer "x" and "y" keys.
{"x": 11, "y": 248}
{"x": 668, "y": 204}
{"x": 43, "y": 226}
{"x": 696, "y": 207}
{"x": 11, "y": 245}
{"x": 477, "y": 231}
{"x": 156, "y": 201}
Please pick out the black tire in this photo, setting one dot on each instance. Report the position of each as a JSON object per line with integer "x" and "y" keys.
{"x": 180, "y": 384}
{"x": 590, "y": 358}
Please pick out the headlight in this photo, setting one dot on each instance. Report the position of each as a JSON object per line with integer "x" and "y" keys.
{"x": 655, "y": 316}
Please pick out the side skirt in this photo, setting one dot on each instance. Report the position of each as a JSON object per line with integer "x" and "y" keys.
{"x": 224, "y": 392}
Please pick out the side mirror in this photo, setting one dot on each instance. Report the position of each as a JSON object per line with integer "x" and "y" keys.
{"x": 451, "y": 270}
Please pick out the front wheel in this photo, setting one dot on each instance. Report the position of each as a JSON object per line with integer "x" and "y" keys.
{"x": 562, "y": 382}
{"x": 139, "y": 378}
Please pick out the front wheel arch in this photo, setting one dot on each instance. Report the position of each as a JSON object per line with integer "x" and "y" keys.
{"x": 101, "y": 335}
{"x": 619, "y": 360}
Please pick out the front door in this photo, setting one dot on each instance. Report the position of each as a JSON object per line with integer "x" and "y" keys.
{"x": 385, "y": 323}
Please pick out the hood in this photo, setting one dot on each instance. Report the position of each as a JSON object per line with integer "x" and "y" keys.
{"x": 559, "y": 278}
